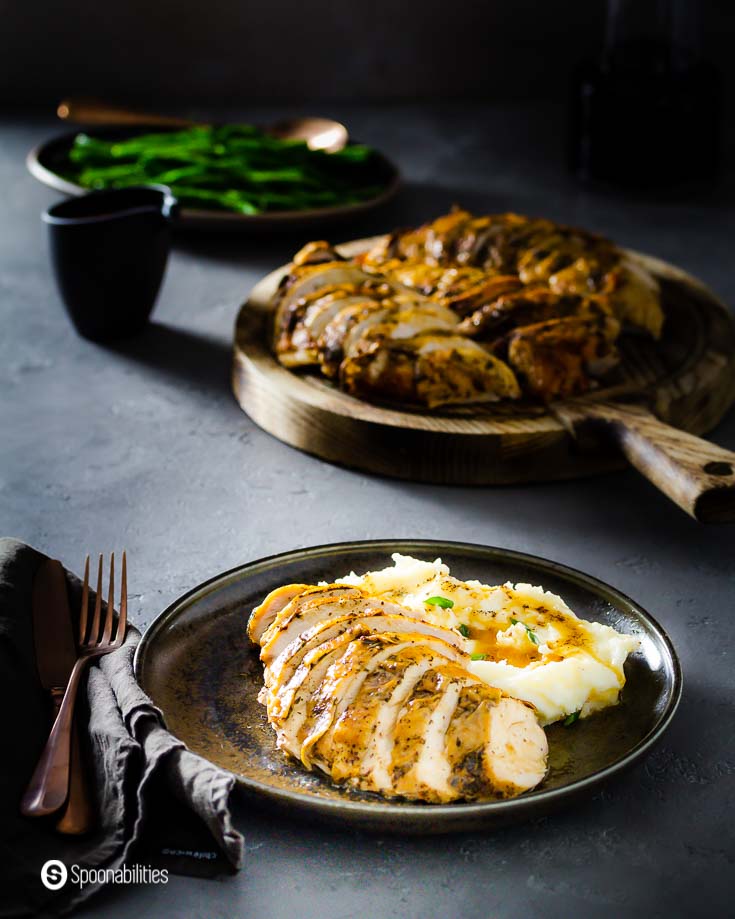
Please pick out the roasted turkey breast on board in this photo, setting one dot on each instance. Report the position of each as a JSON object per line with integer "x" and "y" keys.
{"x": 382, "y": 701}
{"x": 464, "y": 310}
{"x": 380, "y": 339}
{"x": 535, "y": 251}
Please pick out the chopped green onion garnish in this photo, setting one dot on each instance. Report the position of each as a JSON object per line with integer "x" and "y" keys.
{"x": 478, "y": 657}
{"x": 444, "y": 602}
{"x": 570, "y": 719}
{"x": 464, "y": 630}
{"x": 532, "y": 636}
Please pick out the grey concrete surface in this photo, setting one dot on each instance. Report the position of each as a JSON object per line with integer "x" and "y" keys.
{"x": 143, "y": 447}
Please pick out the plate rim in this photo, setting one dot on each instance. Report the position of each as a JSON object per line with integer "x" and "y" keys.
{"x": 423, "y": 812}
{"x": 203, "y": 218}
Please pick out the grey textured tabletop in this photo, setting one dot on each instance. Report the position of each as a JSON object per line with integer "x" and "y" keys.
{"x": 143, "y": 446}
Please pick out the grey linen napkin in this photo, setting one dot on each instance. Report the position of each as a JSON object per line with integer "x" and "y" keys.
{"x": 159, "y": 804}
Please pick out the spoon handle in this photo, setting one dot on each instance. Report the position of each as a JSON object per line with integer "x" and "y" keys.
{"x": 90, "y": 111}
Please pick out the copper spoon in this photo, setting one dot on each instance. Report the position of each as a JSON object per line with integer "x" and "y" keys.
{"x": 318, "y": 133}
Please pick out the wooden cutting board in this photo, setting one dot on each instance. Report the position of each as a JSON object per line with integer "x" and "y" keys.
{"x": 662, "y": 393}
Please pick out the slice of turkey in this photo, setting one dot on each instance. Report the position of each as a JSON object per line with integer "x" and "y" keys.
{"x": 309, "y": 279}
{"x": 299, "y": 606}
{"x": 284, "y": 676}
{"x": 331, "y": 602}
{"x": 264, "y": 614}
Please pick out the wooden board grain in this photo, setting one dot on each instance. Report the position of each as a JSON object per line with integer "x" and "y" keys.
{"x": 687, "y": 380}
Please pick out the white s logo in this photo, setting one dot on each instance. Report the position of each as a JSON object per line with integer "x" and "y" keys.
{"x": 54, "y": 874}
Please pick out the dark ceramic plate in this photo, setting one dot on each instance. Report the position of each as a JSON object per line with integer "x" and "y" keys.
{"x": 46, "y": 161}
{"x": 196, "y": 663}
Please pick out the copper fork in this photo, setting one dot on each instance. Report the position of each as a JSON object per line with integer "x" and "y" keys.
{"x": 49, "y": 786}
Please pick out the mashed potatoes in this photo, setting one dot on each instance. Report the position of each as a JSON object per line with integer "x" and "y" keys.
{"x": 523, "y": 639}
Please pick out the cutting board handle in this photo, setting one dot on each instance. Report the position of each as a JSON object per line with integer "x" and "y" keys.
{"x": 697, "y": 475}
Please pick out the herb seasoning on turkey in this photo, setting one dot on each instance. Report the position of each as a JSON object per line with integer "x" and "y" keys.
{"x": 465, "y": 310}
{"x": 411, "y": 683}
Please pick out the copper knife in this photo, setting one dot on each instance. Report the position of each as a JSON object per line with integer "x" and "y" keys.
{"x": 56, "y": 652}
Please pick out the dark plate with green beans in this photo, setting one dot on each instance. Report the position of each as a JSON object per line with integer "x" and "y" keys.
{"x": 196, "y": 663}
{"x": 224, "y": 176}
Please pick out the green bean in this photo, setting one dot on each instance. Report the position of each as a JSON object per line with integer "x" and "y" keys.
{"x": 235, "y": 167}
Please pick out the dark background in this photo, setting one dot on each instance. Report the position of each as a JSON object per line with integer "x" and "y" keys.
{"x": 143, "y": 446}
{"x": 227, "y": 54}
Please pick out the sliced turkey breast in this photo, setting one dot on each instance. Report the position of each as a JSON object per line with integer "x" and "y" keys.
{"x": 477, "y": 296}
{"x": 466, "y": 739}
{"x": 284, "y": 682}
{"x": 382, "y": 700}
{"x": 299, "y": 614}
{"x": 516, "y": 751}
{"x": 312, "y": 612}
{"x": 330, "y": 675}
{"x": 339, "y": 688}
{"x": 386, "y": 325}
{"x": 377, "y": 735}
{"x": 635, "y": 296}
{"x": 419, "y": 765}
{"x": 305, "y": 280}
{"x": 263, "y": 615}
{"x": 309, "y": 283}
{"x": 432, "y": 368}
{"x": 347, "y": 676}
{"x": 494, "y": 747}
{"x": 351, "y": 748}
{"x": 296, "y": 712}
{"x": 316, "y": 253}
{"x": 528, "y": 307}
{"x": 374, "y": 617}
{"x": 399, "y": 318}
{"x": 317, "y": 321}
{"x": 429, "y": 280}
{"x": 536, "y": 251}
{"x": 336, "y": 333}
{"x": 557, "y": 357}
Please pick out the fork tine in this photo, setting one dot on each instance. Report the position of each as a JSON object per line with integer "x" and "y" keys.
{"x": 95, "y": 631}
{"x": 122, "y": 619}
{"x": 85, "y": 604}
{"x": 110, "y": 604}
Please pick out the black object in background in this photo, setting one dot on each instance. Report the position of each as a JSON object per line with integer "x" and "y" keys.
{"x": 109, "y": 251}
{"x": 647, "y": 112}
